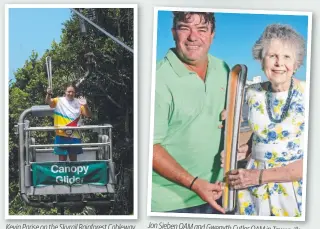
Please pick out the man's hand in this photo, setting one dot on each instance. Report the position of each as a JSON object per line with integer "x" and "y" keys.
{"x": 209, "y": 192}
{"x": 49, "y": 91}
{"x": 48, "y": 99}
{"x": 223, "y": 116}
{"x": 243, "y": 178}
{"x": 243, "y": 153}
{"x": 82, "y": 100}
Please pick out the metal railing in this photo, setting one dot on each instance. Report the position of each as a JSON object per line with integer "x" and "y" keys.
{"x": 53, "y": 128}
{"x": 23, "y": 129}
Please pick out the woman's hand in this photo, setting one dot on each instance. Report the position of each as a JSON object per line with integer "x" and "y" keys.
{"x": 243, "y": 153}
{"x": 243, "y": 178}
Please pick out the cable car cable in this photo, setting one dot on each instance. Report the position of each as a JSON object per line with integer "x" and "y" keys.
{"x": 102, "y": 30}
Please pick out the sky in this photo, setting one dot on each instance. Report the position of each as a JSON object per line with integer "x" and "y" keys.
{"x": 36, "y": 28}
{"x": 33, "y": 29}
{"x": 235, "y": 36}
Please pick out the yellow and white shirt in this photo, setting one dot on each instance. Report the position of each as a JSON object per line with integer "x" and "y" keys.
{"x": 67, "y": 113}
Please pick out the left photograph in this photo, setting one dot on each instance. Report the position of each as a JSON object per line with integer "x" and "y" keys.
{"x": 72, "y": 111}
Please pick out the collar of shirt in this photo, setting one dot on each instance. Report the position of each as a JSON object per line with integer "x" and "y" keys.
{"x": 179, "y": 68}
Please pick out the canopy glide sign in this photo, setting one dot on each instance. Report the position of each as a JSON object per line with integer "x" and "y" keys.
{"x": 70, "y": 173}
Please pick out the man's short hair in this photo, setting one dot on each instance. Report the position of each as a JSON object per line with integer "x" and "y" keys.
{"x": 208, "y": 17}
{"x": 70, "y": 84}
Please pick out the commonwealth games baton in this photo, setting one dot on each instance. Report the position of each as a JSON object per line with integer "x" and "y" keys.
{"x": 236, "y": 87}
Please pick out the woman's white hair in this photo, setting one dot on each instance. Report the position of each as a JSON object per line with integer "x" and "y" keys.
{"x": 283, "y": 33}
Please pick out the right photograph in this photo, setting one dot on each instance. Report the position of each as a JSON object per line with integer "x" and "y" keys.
{"x": 229, "y": 114}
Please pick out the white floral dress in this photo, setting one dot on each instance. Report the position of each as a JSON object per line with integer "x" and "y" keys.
{"x": 274, "y": 145}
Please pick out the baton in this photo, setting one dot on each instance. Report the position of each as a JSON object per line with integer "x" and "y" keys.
{"x": 236, "y": 87}
{"x": 49, "y": 71}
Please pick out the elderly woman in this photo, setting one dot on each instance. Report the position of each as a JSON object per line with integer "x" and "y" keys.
{"x": 272, "y": 183}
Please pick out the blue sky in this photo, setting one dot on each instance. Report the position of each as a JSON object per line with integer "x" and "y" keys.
{"x": 33, "y": 29}
{"x": 235, "y": 35}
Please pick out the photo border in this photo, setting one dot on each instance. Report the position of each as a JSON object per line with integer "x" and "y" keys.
{"x": 135, "y": 113}
{"x": 151, "y": 129}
